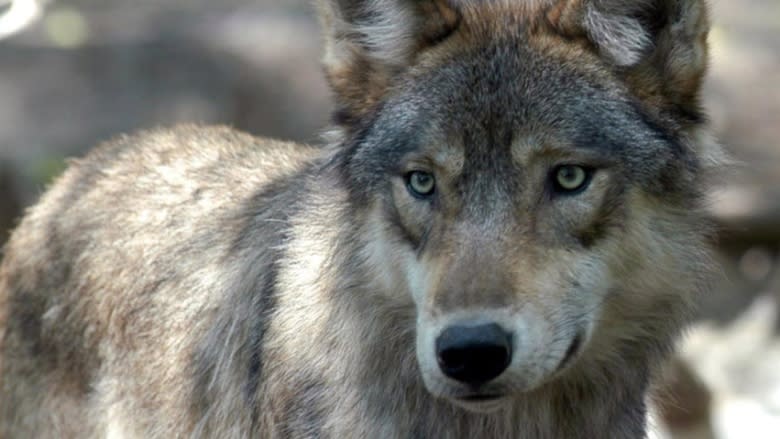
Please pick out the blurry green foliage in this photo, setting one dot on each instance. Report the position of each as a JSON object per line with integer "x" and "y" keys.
{"x": 46, "y": 169}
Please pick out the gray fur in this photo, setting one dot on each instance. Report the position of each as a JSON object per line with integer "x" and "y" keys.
{"x": 198, "y": 282}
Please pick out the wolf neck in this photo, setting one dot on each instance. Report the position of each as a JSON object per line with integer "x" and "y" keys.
{"x": 368, "y": 370}
{"x": 352, "y": 358}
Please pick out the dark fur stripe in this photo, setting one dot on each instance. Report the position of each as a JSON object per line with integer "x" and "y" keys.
{"x": 251, "y": 308}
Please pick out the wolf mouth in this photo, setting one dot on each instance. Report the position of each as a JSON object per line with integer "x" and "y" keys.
{"x": 489, "y": 397}
{"x": 480, "y": 403}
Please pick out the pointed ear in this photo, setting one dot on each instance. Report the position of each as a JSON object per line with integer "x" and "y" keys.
{"x": 660, "y": 45}
{"x": 368, "y": 43}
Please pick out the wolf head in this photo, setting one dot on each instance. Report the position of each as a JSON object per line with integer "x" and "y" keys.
{"x": 531, "y": 174}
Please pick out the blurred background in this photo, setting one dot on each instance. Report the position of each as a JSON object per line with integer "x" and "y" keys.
{"x": 77, "y": 72}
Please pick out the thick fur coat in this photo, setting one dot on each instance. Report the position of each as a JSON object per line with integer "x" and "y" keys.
{"x": 534, "y": 166}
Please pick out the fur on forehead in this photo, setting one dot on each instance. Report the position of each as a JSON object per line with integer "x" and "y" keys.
{"x": 391, "y": 31}
{"x": 657, "y": 46}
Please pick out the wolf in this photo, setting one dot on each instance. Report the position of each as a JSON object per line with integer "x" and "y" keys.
{"x": 501, "y": 238}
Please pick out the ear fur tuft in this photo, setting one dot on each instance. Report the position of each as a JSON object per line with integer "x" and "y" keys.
{"x": 660, "y": 46}
{"x": 369, "y": 42}
{"x": 612, "y": 26}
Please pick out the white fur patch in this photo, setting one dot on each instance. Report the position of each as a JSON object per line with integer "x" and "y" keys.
{"x": 620, "y": 37}
{"x": 390, "y": 34}
{"x": 386, "y": 36}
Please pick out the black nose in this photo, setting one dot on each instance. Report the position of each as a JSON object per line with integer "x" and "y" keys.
{"x": 474, "y": 354}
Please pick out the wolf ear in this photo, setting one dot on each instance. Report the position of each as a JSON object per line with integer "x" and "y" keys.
{"x": 661, "y": 45}
{"x": 368, "y": 43}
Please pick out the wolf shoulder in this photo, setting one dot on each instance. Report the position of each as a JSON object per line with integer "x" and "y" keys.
{"x": 176, "y": 198}
{"x": 184, "y": 160}
{"x": 143, "y": 234}
{"x": 187, "y": 192}
{"x": 165, "y": 178}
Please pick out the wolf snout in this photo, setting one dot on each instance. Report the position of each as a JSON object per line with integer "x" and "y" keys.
{"x": 474, "y": 355}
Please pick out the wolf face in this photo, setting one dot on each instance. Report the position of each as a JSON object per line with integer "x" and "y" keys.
{"x": 532, "y": 179}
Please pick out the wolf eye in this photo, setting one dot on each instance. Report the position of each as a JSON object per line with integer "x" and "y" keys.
{"x": 421, "y": 184}
{"x": 570, "y": 179}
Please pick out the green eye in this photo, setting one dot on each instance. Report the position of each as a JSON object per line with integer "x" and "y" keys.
{"x": 571, "y": 178}
{"x": 421, "y": 184}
